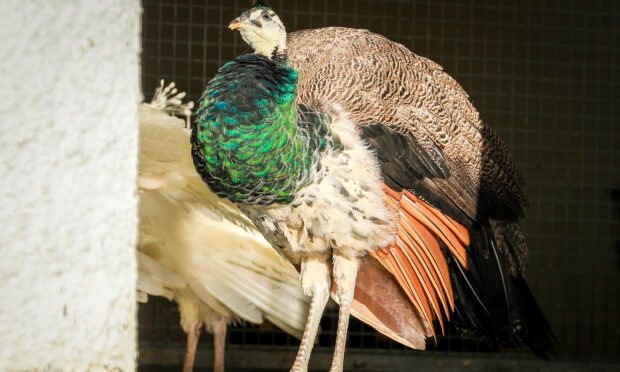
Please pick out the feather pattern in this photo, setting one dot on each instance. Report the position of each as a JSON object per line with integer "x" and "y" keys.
{"x": 379, "y": 81}
{"x": 381, "y": 302}
{"x": 458, "y": 246}
{"x": 415, "y": 258}
{"x": 251, "y": 143}
{"x": 451, "y": 190}
{"x": 199, "y": 249}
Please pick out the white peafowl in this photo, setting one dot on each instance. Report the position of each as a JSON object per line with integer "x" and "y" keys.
{"x": 353, "y": 155}
{"x": 200, "y": 250}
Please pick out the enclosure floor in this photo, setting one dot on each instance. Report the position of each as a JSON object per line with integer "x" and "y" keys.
{"x": 270, "y": 360}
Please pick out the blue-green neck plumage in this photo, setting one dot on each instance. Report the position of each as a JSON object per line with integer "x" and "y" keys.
{"x": 250, "y": 143}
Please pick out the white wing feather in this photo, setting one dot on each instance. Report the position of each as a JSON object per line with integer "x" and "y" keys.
{"x": 200, "y": 248}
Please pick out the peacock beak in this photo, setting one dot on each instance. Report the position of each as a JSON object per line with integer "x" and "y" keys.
{"x": 243, "y": 21}
{"x": 238, "y": 23}
{"x": 235, "y": 24}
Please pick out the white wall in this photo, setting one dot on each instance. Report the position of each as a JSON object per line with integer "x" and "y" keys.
{"x": 69, "y": 80}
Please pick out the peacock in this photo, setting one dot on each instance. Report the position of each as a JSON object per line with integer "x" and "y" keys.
{"x": 366, "y": 164}
{"x": 200, "y": 250}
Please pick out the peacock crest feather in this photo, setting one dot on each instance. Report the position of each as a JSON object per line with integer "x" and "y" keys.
{"x": 252, "y": 143}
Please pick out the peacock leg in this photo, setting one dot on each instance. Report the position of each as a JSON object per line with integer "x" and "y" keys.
{"x": 315, "y": 281}
{"x": 345, "y": 274}
{"x": 193, "y": 334}
{"x": 219, "y": 343}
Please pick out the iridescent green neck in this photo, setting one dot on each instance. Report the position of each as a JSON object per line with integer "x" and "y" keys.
{"x": 248, "y": 143}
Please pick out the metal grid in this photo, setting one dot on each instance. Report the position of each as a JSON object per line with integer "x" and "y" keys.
{"x": 544, "y": 74}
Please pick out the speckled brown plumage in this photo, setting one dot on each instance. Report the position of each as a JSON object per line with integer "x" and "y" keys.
{"x": 511, "y": 242}
{"x": 418, "y": 183}
{"x": 439, "y": 161}
{"x": 378, "y": 81}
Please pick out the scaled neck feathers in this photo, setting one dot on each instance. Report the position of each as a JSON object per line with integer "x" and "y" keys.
{"x": 251, "y": 143}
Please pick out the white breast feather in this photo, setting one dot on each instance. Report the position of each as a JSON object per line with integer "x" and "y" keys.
{"x": 343, "y": 209}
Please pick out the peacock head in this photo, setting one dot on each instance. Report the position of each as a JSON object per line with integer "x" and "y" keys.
{"x": 262, "y": 29}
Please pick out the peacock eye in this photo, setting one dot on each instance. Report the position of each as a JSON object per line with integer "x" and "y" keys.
{"x": 266, "y": 17}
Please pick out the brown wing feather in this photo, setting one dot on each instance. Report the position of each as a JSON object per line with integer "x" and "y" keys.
{"x": 415, "y": 258}
{"x": 381, "y": 302}
{"x": 378, "y": 81}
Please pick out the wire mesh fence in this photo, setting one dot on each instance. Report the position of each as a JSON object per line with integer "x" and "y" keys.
{"x": 544, "y": 74}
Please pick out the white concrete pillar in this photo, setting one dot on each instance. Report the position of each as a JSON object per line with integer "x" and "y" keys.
{"x": 69, "y": 90}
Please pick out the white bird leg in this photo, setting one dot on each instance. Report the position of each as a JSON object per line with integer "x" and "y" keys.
{"x": 219, "y": 344}
{"x": 315, "y": 281}
{"x": 193, "y": 334}
{"x": 345, "y": 275}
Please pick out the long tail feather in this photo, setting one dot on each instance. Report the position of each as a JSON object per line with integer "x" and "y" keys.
{"x": 495, "y": 305}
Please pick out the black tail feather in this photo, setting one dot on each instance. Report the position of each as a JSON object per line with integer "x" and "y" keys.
{"x": 495, "y": 305}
